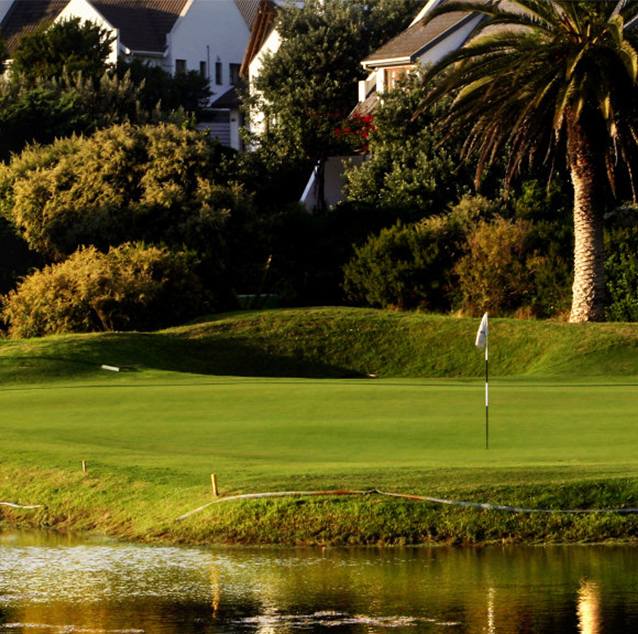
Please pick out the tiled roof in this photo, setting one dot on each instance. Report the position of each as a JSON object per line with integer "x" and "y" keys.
{"x": 230, "y": 99}
{"x": 248, "y": 10}
{"x": 143, "y": 24}
{"x": 364, "y": 108}
{"x": 25, "y": 16}
{"x": 418, "y": 38}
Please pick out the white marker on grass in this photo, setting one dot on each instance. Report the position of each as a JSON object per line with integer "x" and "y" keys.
{"x": 482, "y": 342}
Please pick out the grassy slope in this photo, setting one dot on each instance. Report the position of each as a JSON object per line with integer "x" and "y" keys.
{"x": 152, "y": 437}
{"x": 334, "y": 343}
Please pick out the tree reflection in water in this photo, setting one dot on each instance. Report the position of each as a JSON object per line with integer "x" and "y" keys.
{"x": 53, "y": 584}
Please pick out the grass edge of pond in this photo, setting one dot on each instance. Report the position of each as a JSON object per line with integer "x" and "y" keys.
{"x": 136, "y": 511}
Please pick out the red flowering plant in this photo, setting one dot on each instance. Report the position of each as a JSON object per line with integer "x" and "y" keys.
{"x": 356, "y": 132}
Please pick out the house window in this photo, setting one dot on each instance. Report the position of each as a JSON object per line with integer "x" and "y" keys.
{"x": 393, "y": 75}
{"x": 202, "y": 69}
{"x": 180, "y": 65}
{"x": 234, "y": 74}
{"x": 218, "y": 73}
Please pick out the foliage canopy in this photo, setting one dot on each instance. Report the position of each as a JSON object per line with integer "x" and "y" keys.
{"x": 409, "y": 169}
{"x": 308, "y": 85}
{"x": 549, "y": 78}
{"x": 70, "y": 45}
{"x": 132, "y": 287}
{"x": 153, "y": 183}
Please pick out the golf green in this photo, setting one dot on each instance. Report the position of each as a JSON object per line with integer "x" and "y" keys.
{"x": 250, "y": 431}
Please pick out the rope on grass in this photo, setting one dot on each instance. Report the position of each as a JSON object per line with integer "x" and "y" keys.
{"x": 19, "y": 506}
{"x": 277, "y": 494}
{"x": 421, "y": 498}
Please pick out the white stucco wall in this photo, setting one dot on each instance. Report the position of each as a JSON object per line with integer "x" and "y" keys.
{"x": 5, "y": 5}
{"x": 271, "y": 44}
{"x": 334, "y": 181}
{"x": 210, "y": 31}
{"x": 207, "y": 31}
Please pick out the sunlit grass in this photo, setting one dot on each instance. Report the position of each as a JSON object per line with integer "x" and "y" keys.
{"x": 152, "y": 437}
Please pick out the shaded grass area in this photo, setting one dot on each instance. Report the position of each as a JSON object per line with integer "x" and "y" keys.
{"x": 152, "y": 439}
{"x": 334, "y": 343}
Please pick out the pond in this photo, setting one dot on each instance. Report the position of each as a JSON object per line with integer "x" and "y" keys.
{"x": 60, "y": 585}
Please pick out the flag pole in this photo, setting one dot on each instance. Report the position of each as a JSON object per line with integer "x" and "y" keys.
{"x": 482, "y": 342}
{"x": 487, "y": 392}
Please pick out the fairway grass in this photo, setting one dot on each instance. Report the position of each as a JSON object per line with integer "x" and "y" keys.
{"x": 151, "y": 440}
{"x": 316, "y": 400}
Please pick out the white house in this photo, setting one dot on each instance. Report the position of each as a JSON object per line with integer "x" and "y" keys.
{"x": 207, "y": 36}
{"x": 420, "y": 44}
{"x": 264, "y": 40}
{"x": 325, "y": 184}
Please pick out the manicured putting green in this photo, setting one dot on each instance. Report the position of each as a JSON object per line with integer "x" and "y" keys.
{"x": 178, "y": 428}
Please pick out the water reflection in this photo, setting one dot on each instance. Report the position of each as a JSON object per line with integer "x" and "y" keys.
{"x": 56, "y": 584}
{"x": 491, "y": 628}
{"x": 589, "y": 607}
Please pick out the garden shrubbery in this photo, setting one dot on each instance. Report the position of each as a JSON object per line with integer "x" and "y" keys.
{"x": 132, "y": 287}
{"x": 409, "y": 266}
{"x": 474, "y": 258}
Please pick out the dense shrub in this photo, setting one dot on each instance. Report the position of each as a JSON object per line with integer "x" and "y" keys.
{"x": 132, "y": 287}
{"x": 621, "y": 265}
{"x": 493, "y": 275}
{"x": 153, "y": 183}
{"x": 409, "y": 170}
{"x": 406, "y": 266}
{"x": 621, "y": 268}
{"x": 474, "y": 258}
{"x": 70, "y": 45}
{"x": 512, "y": 267}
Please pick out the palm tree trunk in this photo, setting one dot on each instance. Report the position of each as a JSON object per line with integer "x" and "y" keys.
{"x": 589, "y": 182}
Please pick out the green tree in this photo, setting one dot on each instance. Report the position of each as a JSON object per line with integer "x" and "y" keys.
{"x": 308, "y": 85}
{"x": 151, "y": 183}
{"x": 621, "y": 265}
{"x": 495, "y": 274}
{"x": 161, "y": 184}
{"x": 4, "y": 54}
{"x": 406, "y": 266}
{"x": 48, "y": 109}
{"x": 70, "y": 45}
{"x": 132, "y": 287}
{"x": 189, "y": 91}
{"x": 409, "y": 169}
{"x": 541, "y": 78}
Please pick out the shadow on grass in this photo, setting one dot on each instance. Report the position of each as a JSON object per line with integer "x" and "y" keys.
{"x": 220, "y": 355}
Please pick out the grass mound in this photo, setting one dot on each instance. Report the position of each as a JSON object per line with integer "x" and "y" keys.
{"x": 334, "y": 343}
{"x": 152, "y": 436}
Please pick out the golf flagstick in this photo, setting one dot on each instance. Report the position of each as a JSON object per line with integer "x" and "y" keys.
{"x": 482, "y": 342}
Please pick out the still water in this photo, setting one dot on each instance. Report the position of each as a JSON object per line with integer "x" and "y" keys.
{"x": 51, "y": 584}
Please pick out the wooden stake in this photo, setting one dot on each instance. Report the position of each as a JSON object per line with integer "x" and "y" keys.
{"x": 213, "y": 480}
{"x": 83, "y": 466}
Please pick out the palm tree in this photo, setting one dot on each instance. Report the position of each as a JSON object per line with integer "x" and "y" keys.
{"x": 544, "y": 77}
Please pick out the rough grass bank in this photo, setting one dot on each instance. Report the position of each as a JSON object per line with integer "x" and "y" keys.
{"x": 562, "y": 432}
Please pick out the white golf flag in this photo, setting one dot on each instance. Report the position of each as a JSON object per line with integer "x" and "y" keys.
{"x": 481, "y": 335}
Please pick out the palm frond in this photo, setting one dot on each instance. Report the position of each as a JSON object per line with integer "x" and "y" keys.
{"x": 529, "y": 67}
